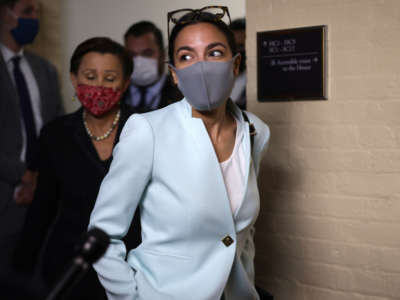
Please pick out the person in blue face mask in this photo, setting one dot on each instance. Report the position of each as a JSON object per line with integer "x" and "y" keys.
{"x": 29, "y": 98}
{"x": 191, "y": 170}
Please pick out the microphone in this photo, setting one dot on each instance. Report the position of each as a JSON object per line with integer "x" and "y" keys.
{"x": 92, "y": 247}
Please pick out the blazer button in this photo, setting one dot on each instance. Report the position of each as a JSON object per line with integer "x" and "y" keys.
{"x": 227, "y": 241}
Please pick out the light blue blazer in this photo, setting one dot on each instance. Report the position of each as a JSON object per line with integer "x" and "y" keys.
{"x": 193, "y": 247}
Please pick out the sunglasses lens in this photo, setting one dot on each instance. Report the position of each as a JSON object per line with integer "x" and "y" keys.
{"x": 218, "y": 12}
{"x": 177, "y": 16}
{"x": 213, "y": 10}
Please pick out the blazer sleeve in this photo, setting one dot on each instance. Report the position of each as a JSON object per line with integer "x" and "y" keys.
{"x": 41, "y": 212}
{"x": 11, "y": 170}
{"x": 261, "y": 139}
{"x": 120, "y": 193}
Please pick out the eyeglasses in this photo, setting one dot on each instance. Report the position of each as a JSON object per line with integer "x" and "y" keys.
{"x": 186, "y": 15}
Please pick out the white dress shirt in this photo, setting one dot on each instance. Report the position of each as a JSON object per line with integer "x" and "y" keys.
{"x": 33, "y": 89}
{"x": 153, "y": 94}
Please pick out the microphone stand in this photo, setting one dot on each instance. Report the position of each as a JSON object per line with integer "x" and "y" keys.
{"x": 70, "y": 277}
{"x": 92, "y": 248}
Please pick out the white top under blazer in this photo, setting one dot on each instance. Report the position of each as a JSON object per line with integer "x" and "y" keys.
{"x": 192, "y": 247}
{"x": 234, "y": 170}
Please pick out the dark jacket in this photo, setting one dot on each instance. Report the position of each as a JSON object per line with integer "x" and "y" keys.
{"x": 70, "y": 174}
{"x": 11, "y": 166}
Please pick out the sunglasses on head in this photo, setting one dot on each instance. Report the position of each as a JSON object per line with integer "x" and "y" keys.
{"x": 186, "y": 15}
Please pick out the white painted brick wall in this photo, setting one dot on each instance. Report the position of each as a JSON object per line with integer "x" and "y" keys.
{"x": 329, "y": 226}
{"x": 48, "y": 41}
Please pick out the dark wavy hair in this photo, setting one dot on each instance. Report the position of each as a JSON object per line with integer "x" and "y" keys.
{"x": 103, "y": 45}
{"x": 238, "y": 25}
{"x": 196, "y": 18}
{"x": 144, "y": 27}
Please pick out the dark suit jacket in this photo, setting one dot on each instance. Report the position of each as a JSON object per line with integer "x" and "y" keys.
{"x": 70, "y": 173}
{"x": 11, "y": 168}
{"x": 169, "y": 94}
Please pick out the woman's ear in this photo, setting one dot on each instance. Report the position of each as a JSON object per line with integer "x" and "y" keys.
{"x": 173, "y": 74}
{"x": 236, "y": 64}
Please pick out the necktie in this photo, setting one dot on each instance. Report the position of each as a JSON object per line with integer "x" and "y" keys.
{"x": 27, "y": 114}
{"x": 142, "y": 101}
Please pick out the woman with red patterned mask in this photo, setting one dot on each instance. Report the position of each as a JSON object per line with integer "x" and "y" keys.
{"x": 77, "y": 153}
{"x": 99, "y": 79}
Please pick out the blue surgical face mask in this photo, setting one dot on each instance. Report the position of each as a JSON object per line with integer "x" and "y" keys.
{"x": 26, "y": 30}
{"x": 206, "y": 84}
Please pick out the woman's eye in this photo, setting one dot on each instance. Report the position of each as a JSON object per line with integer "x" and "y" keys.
{"x": 90, "y": 77}
{"x": 110, "y": 79}
{"x": 185, "y": 57}
{"x": 216, "y": 53}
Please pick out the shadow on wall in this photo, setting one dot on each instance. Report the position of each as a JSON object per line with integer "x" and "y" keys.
{"x": 48, "y": 41}
{"x": 273, "y": 251}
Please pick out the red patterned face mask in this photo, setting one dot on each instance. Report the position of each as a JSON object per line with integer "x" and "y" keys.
{"x": 97, "y": 99}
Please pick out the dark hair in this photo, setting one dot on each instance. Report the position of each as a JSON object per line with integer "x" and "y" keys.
{"x": 9, "y": 3}
{"x": 196, "y": 18}
{"x": 103, "y": 45}
{"x": 238, "y": 25}
{"x": 143, "y": 27}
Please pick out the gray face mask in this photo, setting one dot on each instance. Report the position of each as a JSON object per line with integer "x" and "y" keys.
{"x": 206, "y": 84}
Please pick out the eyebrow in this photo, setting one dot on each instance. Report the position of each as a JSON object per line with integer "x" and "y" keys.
{"x": 184, "y": 48}
{"x": 88, "y": 70}
{"x": 210, "y": 46}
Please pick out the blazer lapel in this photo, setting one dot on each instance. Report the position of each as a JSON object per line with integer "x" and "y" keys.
{"x": 10, "y": 102}
{"x": 247, "y": 153}
{"x": 206, "y": 153}
{"x": 249, "y": 206}
{"x": 7, "y": 85}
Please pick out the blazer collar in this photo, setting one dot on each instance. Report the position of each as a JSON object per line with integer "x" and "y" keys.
{"x": 231, "y": 106}
{"x": 203, "y": 143}
{"x": 5, "y": 74}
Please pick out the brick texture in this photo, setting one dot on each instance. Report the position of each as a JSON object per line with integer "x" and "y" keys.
{"x": 330, "y": 183}
{"x": 48, "y": 41}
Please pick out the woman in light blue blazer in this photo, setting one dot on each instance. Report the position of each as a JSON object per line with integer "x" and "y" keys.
{"x": 191, "y": 168}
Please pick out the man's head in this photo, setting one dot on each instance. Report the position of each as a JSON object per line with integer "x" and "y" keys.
{"x": 19, "y": 21}
{"x": 144, "y": 39}
{"x": 238, "y": 27}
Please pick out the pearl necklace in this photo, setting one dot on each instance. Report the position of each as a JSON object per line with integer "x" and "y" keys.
{"x": 107, "y": 133}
